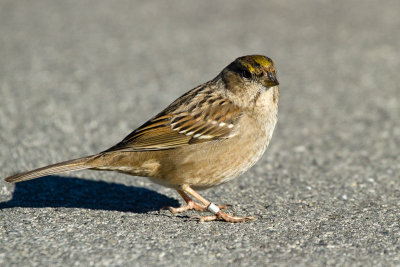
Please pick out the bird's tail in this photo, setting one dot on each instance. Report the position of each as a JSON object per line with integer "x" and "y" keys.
{"x": 66, "y": 166}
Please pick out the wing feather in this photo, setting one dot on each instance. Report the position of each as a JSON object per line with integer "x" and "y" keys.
{"x": 198, "y": 116}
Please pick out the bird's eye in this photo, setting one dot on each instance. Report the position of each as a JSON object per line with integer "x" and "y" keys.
{"x": 246, "y": 74}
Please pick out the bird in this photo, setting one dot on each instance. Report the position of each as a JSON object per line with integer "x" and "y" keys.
{"x": 206, "y": 137}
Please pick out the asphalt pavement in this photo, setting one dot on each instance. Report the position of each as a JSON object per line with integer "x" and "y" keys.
{"x": 77, "y": 76}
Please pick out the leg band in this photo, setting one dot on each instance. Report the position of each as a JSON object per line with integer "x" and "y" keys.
{"x": 213, "y": 208}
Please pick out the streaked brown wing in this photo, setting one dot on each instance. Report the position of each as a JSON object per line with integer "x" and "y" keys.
{"x": 198, "y": 116}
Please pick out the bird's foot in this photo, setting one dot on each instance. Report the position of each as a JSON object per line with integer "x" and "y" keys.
{"x": 223, "y": 216}
{"x": 192, "y": 205}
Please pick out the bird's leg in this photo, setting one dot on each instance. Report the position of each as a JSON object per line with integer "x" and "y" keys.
{"x": 218, "y": 214}
{"x": 190, "y": 204}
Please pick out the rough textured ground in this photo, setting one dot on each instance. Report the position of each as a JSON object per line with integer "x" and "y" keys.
{"x": 77, "y": 76}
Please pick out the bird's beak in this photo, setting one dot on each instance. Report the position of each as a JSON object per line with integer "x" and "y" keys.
{"x": 270, "y": 81}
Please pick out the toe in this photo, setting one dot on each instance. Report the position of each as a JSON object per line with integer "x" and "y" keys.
{"x": 233, "y": 219}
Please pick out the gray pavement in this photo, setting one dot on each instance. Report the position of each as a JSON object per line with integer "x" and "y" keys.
{"x": 77, "y": 76}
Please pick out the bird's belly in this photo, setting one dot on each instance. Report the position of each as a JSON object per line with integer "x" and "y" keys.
{"x": 207, "y": 166}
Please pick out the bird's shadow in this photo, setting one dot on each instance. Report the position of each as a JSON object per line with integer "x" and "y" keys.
{"x": 58, "y": 191}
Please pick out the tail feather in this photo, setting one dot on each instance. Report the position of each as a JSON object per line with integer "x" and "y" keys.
{"x": 66, "y": 166}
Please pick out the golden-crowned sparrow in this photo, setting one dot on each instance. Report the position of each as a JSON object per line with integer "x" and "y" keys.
{"x": 206, "y": 137}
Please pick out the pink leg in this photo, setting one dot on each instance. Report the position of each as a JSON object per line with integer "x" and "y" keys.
{"x": 217, "y": 214}
{"x": 191, "y": 205}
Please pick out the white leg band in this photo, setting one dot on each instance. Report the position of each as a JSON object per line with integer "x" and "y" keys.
{"x": 213, "y": 208}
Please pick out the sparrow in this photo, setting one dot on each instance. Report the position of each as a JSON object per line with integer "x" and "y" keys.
{"x": 208, "y": 136}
